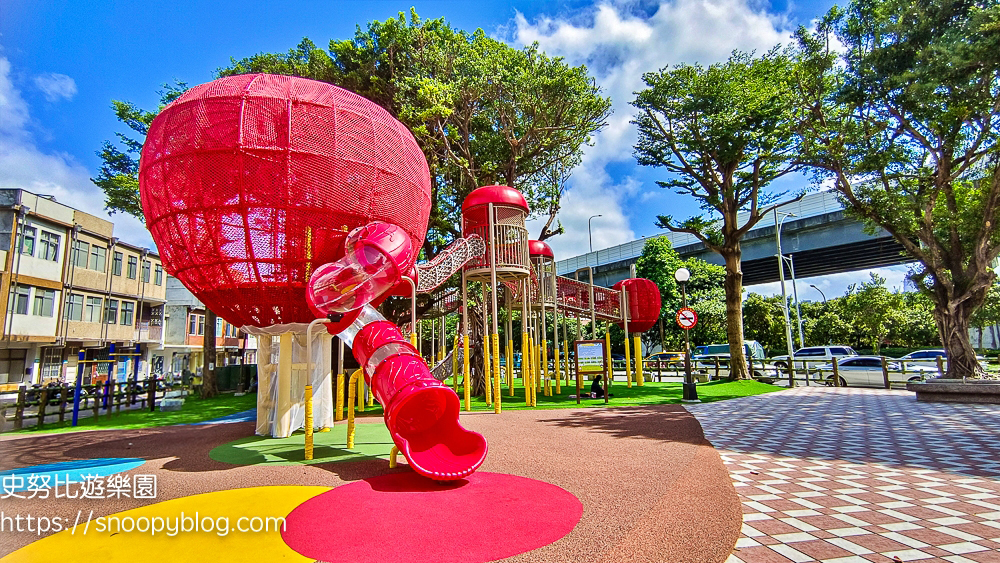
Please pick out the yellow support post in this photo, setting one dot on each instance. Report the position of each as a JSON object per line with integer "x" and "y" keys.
{"x": 488, "y": 379}
{"x": 628, "y": 362}
{"x": 465, "y": 373}
{"x": 566, "y": 355}
{"x": 545, "y": 368}
{"x": 338, "y": 413}
{"x": 352, "y": 391}
{"x": 510, "y": 364}
{"x": 526, "y": 367}
{"x": 361, "y": 393}
{"x": 371, "y": 398}
{"x": 413, "y": 339}
{"x": 454, "y": 365}
{"x": 309, "y": 422}
{"x": 639, "y": 377}
{"x": 497, "y": 408}
{"x": 392, "y": 457}
{"x": 535, "y": 375}
{"x": 558, "y": 367}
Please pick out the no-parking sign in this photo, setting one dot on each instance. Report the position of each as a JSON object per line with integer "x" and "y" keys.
{"x": 687, "y": 318}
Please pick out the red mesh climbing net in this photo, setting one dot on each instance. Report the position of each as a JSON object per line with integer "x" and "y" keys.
{"x": 248, "y": 183}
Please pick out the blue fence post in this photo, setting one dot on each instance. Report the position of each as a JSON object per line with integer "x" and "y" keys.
{"x": 79, "y": 382}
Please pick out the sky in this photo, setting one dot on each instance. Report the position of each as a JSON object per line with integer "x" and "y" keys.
{"x": 62, "y": 62}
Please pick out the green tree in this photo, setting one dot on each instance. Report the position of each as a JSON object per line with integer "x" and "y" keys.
{"x": 872, "y": 309}
{"x": 829, "y": 328}
{"x": 483, "y": 112}
{"x": 723, "y": 133}
{"x": 764, "y": 321}
{"x": 118, "y": 177}
{"x": 904, "y": 121}
{"x": 658, "y": 263}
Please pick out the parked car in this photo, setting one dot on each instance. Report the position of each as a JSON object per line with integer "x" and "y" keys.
{"x": 929, "y": 358}
{"x": 866, "y": 371}
{"x": 665, "y": 359}
{"x": 815, "y": 353}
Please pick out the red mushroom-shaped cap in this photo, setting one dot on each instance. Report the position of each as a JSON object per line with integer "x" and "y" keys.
{"x": 539, "y": 248}
{"x": 643, "y": 303}
{"x": 504, "y": 195}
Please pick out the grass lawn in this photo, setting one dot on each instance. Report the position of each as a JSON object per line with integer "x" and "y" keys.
{"x": 198, "y": 410}
{"x": 195, "y": 409}
{"x": 651, "y": 393}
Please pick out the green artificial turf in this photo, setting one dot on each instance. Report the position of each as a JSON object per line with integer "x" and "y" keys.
{"x": 370, "y": 441}
{"x": 651, "y": 393}
{"x": 195, "y": 409}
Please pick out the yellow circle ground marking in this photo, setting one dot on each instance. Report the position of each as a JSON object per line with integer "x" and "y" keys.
{"x": 108, "y": 540}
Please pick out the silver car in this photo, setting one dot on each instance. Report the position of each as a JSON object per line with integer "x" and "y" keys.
{"x": 866, "y": 371}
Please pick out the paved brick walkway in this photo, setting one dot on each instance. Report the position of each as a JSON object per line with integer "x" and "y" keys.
{"x": 856, "y": 475}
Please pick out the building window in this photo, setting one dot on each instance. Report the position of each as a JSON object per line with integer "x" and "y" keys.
{"x": 12, "y": 365}
{"x": 111, "y": 312}
{"x": 45, "y": 300}
{"x": 128, "y": 309}
{"x": 158, "y": 275}
{"x": 48, "y": 246}
{"x": 98, "y": 258}
{"x": 74, "y": 307}
{"x": 218, "y": 327}
{"x": 92, "y": 311}
{"x": 192, "y": 324}
{"x": 133, "y": 263}
{"x": 19, "y": 299}
{"x": 145, "y": 270}
{"x": 27, "y": 244}
{"x": 81, "y": 253}
{"x": 51, "y": 363}
{"x": 201, "y": 325}
{"x": 116, "y": 267}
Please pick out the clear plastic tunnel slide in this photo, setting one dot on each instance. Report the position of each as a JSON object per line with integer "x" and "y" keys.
{"x": 421, "y": 412}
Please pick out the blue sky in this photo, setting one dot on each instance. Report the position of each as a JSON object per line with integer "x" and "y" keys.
{"x": 61, "y": 64}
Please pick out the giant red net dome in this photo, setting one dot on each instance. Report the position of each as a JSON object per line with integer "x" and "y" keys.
{"x": 248, "y": 183}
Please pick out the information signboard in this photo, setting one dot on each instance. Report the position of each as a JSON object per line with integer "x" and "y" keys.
{"x": 590, "y": 358}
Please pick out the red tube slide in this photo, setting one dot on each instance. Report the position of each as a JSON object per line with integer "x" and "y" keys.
{"x": 420, "y": 411}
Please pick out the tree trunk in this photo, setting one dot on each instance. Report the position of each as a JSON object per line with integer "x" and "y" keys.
{"x": 953, "y": 326}
{"x": 734, "y": 313}
{"x": 208, "y": 386}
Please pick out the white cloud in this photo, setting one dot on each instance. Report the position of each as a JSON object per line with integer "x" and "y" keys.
{"x": 24, "y": 165}
{"x": 56, "y": 86}
{"x": 618, "y": 47}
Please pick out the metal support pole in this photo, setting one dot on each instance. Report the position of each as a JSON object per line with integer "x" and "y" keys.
{"x": 798, "y": 311}
{"x": 493, "y": 310}
{"x": 465, "y": 342}
{"x": 784, "y": 301}
{"x": 690, "y": 391}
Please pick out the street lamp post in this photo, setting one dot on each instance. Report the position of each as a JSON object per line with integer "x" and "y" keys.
{"x": 820, "y": 292}
{"x": 690, "y": 390}
{"x": 795, "y": 295}
{"x": 590, "y": 236}
{"x": 784, "y": 297}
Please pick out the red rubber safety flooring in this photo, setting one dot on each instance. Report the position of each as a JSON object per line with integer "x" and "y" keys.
{"x": 405, "y": 517}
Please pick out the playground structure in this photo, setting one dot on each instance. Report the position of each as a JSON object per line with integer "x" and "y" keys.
{"x": 283, "y": 203}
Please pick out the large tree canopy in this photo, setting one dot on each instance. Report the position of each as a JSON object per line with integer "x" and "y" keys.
{"x": 723, "y": 133}
{"x": 904, "y": 121}
{"x": 482, "y": 111}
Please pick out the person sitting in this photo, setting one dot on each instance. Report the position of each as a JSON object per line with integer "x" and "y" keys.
{"x": 597, "y": 387}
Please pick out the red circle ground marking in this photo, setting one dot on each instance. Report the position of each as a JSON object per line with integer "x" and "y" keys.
{"x": 406, "y": 517}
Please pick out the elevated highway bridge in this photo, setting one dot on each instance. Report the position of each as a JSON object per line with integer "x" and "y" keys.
{"x": 821, "y": 239}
